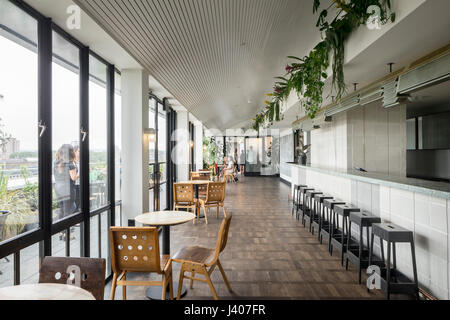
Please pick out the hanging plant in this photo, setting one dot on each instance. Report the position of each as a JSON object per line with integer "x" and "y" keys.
{"x": 306, "y": 76}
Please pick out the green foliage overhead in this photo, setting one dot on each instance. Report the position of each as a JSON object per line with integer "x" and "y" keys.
{"x": 306, "y": 76}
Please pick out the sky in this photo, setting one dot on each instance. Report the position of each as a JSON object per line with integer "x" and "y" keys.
{"x": 19, "y": 111}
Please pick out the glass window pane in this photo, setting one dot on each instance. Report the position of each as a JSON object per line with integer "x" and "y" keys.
{"x": 219, "y": 149}
{"x": 29, "y": 264}
{"x": 66, "y": 128}
{"x": 253, "y": 155}
{"x": 7, "y": 271}
{"x": 162, "y": 134}
{"x": 118, "y": 137}
{"x": 59, "y": 242}
{"x": 75, "y": 241}
{"x": 18, "y": 122}
{"x": 151, "y": 124}
{"x": 14, "y": 19}
{"x": 93, "y": 236}
{"x": 98, "y": 166}
{"x": 105, "y": 224}
{"x": 163, "y": 196}
{"x": 118, "y": 214}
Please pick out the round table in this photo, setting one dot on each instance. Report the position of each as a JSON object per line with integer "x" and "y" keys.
{"x": 45, "y": 291}
{"x": 164, "y": 219}
{"x": 197, "y": 183}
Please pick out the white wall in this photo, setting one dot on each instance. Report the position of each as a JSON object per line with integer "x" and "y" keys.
{"x": 377, "y": 139}
{"x": 135, "y": 155}
{"x": 182, "y": 148}
{"x": 369, "y": 137}
{"x": 329, "y": 144}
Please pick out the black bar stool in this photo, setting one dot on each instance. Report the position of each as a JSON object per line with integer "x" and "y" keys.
{"x": 319, "y": 212}
{"x": 392, "y": 280}
{"x": 302, "y": 207}
{"x": 310, "y": 203}
{"x": 359, "y": 256}
{"x": 339, "y": 234}
{"x": 296, "y": 197}
{"x": 326, "y": 229}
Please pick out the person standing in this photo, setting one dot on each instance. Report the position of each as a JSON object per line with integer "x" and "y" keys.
{"x": 65, "y": 173}
{"x": 76, "y": 186}
{"x": 242, "y": 161}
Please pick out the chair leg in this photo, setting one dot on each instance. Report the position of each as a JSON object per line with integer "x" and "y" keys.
{"x": 206, "y": 214}
{"x": 180, "y": 282}
{"x": 211, "y": 286}
{"x": 224, "y": 211}
{"x": 217, "y": 212}
{"x": 124, "y": 288}
{"x": 164, "y": 287}
{"x": 224, "y": 276}
{"x": 114, "y": 286}
{"x": 171, "y": 285}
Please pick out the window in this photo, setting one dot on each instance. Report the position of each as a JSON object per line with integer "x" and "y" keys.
{"x": 66, "y": 128}
{"x": 23, "y": 238}
{"x": 98, "y": 167}
{"x": 118, "y": 136}
{"x": 19, "y": 191}
{"x": 162, "y": 149}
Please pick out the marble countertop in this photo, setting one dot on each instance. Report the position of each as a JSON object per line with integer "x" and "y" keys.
{"x": 433, "y": 188}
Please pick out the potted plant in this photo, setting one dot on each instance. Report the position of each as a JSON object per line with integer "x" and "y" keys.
{"x": 16, "y": 209}
{"x": 3, "y": 216}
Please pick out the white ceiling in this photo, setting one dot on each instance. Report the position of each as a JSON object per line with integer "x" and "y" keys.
{"x": 217, "y": 58}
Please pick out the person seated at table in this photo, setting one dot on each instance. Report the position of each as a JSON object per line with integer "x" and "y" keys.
{"x": 229, "y": 168}
{"x": 223, "y": 167}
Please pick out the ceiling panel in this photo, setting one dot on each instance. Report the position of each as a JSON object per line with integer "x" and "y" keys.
{"x": 216, "y": 57}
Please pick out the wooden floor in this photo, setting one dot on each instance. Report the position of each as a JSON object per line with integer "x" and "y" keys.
{"x": 269, "y": 254}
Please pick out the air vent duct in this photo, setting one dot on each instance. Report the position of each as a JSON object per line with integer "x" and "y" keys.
{"x": 391, "y": 97}
{"x": 343, "y": 106}
{"x": 429, "y": 74}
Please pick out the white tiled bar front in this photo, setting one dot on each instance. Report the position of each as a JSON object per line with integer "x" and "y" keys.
{"x": 420, "y": 206}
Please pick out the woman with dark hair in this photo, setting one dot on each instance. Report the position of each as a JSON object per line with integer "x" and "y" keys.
{"x": 76, "y": 185}
{"x": 65, "y": 174}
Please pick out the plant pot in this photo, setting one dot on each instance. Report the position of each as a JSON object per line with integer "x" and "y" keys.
{"x": 303, "y": 160}
{"x": 3, "y": 216}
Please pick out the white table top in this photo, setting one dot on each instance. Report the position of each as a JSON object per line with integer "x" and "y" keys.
{"x": 165, "y": 218}
{"x": 45, "y": 291}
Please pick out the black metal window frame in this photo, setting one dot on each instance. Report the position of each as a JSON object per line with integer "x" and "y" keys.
{"x": 171, "y": 167}
{"x": 192, "y": 146}
{"x": 43, "y": 235}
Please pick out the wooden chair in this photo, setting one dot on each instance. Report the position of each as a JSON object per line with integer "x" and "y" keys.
{"x": 203, "y": 261}
{"x": 184, "y": 197}
{"x": 194, "y": 176}
{"x": 137, "y": 250}
{"x": 229, "y": 177}
{"x": 201, "y": 188}
{"x": 215, "y": 197}
{"x": 86, "y": 273}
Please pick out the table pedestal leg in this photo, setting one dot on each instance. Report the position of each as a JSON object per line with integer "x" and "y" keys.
{"x": 154, "y": 293}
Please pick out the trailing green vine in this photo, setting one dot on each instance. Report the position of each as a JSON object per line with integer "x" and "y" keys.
{"x": 306, "y": 76}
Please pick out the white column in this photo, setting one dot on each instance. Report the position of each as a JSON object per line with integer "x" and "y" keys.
{"x": 135, "y": 154}
{"x": 182, "y": 147}
{"x": 198, "y": 134}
